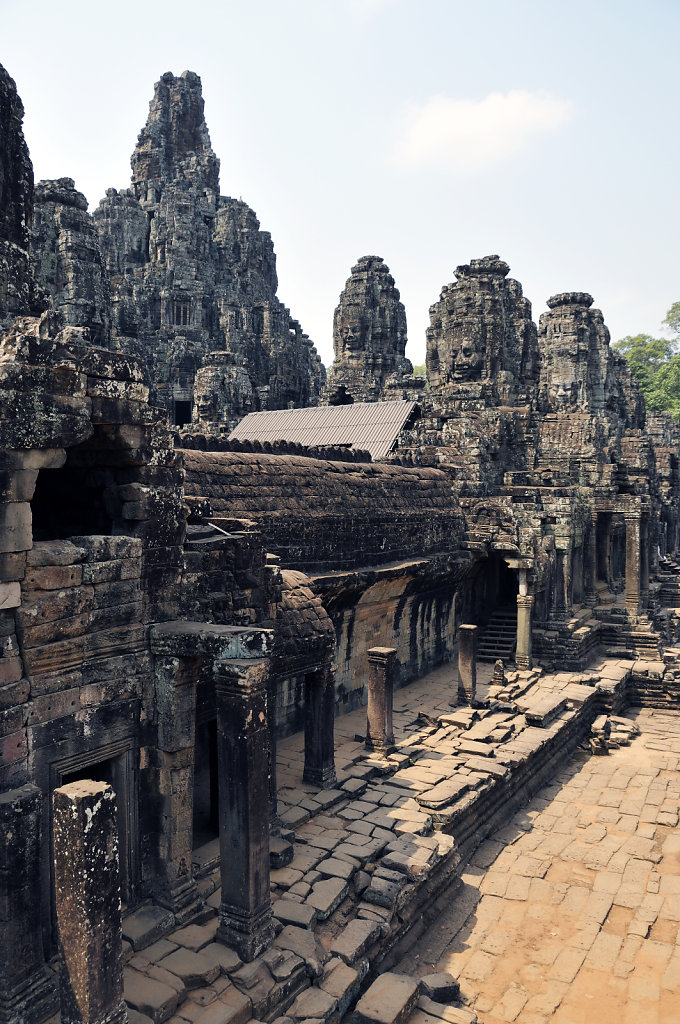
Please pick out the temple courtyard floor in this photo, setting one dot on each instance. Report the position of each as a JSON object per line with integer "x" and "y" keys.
{"x": 568, "y": 911}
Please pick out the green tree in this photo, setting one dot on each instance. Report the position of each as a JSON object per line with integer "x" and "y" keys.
{"x": 656, "y": 364}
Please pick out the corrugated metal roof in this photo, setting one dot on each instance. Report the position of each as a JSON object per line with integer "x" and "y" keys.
{"x": 372, "y": 426}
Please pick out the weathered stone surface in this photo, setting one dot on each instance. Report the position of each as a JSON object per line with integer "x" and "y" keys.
{"x": 193, "y": 279}
{"x": 389, "y": 1000}
{"x": 149, "y": 997}
{"x": 87, "y": 898}
{"x": 355, "y": 939}
{"x": 66, "y": 259}
{"x": 369, "y": 337}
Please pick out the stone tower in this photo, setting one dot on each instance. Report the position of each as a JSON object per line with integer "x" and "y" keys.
{"x": 481, "y": 343}
{"x": 369, "y": 336}
{"x": 192, "y": 274}
{"x": 17, "y": 291}
{"x": 66, "y": 258}
{"x": 579, "y": 371}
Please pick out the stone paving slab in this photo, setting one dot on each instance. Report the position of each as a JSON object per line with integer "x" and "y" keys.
{"x": 586, "y": 942}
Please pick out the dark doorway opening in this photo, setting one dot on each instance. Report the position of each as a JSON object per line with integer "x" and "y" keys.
{"x": 182, "y": 413}
{"x": 206, "y": 821}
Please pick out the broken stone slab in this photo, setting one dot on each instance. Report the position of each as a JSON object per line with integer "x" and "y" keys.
{"x": 287, "y": 911}
{"x": 355, "y": 939}
{"x": 152, "y": 998}
{"x": 442, "y": 988}
{"x": 445, "y": 793}
{"x": 385, "y": 888}
{"x": 343, "y": 983}
{"x": 411, "y": 860}
{"x": 540, "y": 711}
{"x": 226, "y": 959}
{"x": 304, "y": 944}
{"x": 255, "y": 981}
{"x": 329, "y": 797}
{"x": 282, "y": 963}
{"x": 313, "y": 1003}
{"x": 147, "y": 925}
{"x": 334, "y": 868}
{"x": 326, "y": 896}
{"x": 390, "y": 1000}
{"x": 281, "y": 852}
{"x": 195, "y": 936}
{"x": 486, "y": 765}
{"x": 194, "y": 969}
{"x": 449, "y": 1014}
{"x": 230, "y": 1007}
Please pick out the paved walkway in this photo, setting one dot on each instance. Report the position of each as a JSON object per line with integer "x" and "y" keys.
{"x": 573, "y": 909}
{"x": 569, "y": 909}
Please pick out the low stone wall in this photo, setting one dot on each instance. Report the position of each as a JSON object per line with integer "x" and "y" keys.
{"x": 320, "y": 515}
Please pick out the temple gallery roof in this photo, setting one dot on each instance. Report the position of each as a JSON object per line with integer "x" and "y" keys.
{"x": 371, "y": 426}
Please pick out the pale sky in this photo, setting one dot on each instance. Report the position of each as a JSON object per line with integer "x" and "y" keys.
{"x": 428, "y": 132}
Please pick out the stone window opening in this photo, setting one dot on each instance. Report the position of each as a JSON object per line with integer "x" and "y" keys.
{"x": 73, "y": 501}
{"x": 181, "y": 312}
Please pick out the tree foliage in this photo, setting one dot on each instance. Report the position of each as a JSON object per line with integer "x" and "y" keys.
{"x": 656, "y": 364}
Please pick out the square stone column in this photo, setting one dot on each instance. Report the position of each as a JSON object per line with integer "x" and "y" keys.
{"x": 467, "y": 663}
{"x": 632, "y": 598}
{"x": 644, "y": 562}
{"x": 171, "y": 782}
{"x": 245, "y": 918}
{"x": 319, "y": 728}
{"x": 87, "y": 900}
{"x": 27, "y": 990}
{"x": 379, "y": 727}
{"x": 525, "y": 604}
{"x": 590, "y": 563}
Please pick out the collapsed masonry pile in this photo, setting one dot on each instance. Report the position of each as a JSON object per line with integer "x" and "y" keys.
{"x": 609, "y": 733}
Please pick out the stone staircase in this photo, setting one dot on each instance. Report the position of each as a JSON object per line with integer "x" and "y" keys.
{"x": 499, "y": 636}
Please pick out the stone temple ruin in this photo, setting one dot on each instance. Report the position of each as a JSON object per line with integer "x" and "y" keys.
{"x": 188, "y": 621}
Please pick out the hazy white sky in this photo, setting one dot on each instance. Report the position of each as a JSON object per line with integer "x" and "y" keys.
{"x": 428, "y": 132}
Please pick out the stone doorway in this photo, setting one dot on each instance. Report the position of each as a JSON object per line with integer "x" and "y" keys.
{"x": 206, "y": 825}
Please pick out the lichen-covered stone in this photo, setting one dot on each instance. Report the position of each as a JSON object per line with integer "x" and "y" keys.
{"x": 369, "y": 337}
{"x": 193, "y": 278}
{"x": 66, "y": 258}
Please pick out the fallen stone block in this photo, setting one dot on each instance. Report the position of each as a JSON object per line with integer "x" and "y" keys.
{"x": 287, "y": 911}
{"x": 304, "y": 944}
{"x": 147, "y": 925}
{"x": 390, "y": 1000}
{"x": 326, "y": 896}
{"x": 442, "y": 988}
{"x": 355, "y": 939}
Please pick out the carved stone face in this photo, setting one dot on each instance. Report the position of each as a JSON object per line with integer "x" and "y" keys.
{"x": 466, "y": 357}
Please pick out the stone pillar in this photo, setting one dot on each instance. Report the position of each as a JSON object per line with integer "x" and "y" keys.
{"x": 27, "y": 990}
{"x": 632, "y": 563}
{"x": 467, "y": 663}
{"x": 590, "y": 563}
{"x": 172, "y": 783}
{"x": 319, "y": 728}
{"x": 644, "y": 562}
{"x": 525, "y": 604}
{"x": 245, "y": 919}
{"x": 379, "y": 728}
{"x": 274, "y": 820}
{"x": 87, "y": 900}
